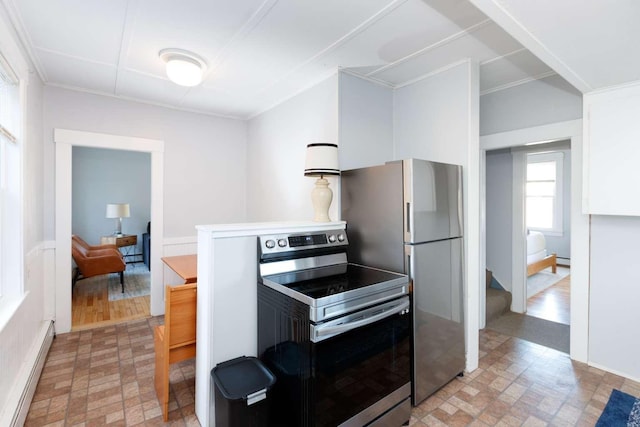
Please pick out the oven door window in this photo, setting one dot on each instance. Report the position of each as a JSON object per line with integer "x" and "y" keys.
{"x": 356, "y": 369}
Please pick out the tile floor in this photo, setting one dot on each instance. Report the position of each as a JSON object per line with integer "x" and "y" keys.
{"x": 105, "y": 377}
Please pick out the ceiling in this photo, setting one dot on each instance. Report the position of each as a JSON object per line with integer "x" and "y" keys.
{"x": 261, "y": 52}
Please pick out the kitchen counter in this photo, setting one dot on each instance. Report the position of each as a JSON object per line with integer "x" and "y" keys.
{"x": 227, "y": 300}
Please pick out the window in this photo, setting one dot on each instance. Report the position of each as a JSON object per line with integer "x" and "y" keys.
{"x": 10, "y": 183}
{"x": 9, "y": 103}
{"x": 544, "y": 192}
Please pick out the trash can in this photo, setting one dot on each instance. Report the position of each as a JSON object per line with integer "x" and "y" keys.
{"x": 241, "y": 392}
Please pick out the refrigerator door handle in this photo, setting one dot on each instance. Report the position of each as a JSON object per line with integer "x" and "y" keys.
{"x": 408, "y": 268}
{"x": 460, "y": 203}
{"x": 408, "y": 219}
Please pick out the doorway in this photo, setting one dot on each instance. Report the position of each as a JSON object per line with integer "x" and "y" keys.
{"x": 547, "y": 198}
{"x": 105, "y": 180}
{"x": 570, "y": 130}
{"x": 538, "y": 178}
{"x": 65, "y": 140}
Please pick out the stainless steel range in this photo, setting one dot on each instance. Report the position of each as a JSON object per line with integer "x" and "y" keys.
{"x": 335, "y": 334}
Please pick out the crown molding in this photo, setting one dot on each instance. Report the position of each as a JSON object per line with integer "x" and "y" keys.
{"x": 501, "y": 16}
{"x": 519, "y": 82}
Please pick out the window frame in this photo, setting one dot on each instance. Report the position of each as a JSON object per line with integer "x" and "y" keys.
{"x": 12, "y": 289}
{"x": 557, "y": 229}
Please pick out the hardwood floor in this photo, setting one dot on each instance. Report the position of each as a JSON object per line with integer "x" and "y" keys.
{"x": 90, "y": 306}
{"x": 552, "y": 303}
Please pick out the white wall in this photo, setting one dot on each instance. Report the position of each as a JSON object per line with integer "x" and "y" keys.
{"x": 20, "y": 338}
{"x": 437, "y": 119}
{"x": 611, "y": 172}
{"x": 613, "y": 312}
{"x": 499, "y": 214}
{"x": 366, "y": 122}
{"x": 102, "y": 176}
{"x": 431, "y": 118}
{"x": 540, "y": 102}
{"x": 277, "y": 188}
{"x": 612, "y": 133}
{"x": 205, "y": 156}
{"x": 561, "y": 245}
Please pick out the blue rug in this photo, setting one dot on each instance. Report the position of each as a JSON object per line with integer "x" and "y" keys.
{"x": 622, "y": 410}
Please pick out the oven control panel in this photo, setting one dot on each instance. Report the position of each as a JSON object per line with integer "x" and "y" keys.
{"x": 299, "y": 241}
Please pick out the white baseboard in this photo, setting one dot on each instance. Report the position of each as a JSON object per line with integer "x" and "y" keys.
{"x": 28, "y": 378}
{"x": 563, "y": 261}
{"x": 613, "y": 371}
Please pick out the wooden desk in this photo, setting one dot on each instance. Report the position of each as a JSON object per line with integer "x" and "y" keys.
{"x": 185, "y": 266}
{"x": 120, "y": 241}
{"x": 128, "y": 241}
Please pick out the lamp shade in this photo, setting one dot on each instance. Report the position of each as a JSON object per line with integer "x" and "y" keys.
{"x": 322, "y": 159}
{"x": 118, "y": 210}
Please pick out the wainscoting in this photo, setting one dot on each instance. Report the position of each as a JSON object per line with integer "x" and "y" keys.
{"x": 25, "y": 339}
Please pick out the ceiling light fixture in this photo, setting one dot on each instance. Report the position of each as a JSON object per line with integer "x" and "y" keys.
{"x": 183, "y": 67}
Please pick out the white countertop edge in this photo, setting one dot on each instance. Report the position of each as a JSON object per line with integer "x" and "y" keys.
{"x": 276, "y": 227}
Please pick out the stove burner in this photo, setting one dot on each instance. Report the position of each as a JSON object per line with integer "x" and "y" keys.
{"x": 336, "y": 289}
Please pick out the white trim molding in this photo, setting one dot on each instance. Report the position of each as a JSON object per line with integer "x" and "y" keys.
{"x": 497, "y": 11}
{"x": 580, "y": 229}
{"x": 65, "y": 140}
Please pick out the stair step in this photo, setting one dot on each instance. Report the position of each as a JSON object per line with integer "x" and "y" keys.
{"x": 498, "y": 303}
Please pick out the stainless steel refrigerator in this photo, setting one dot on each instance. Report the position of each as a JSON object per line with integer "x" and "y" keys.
{"x": 406, "y": 216}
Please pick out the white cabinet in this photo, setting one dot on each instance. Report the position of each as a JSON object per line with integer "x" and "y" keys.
{"x": 612, "y": 152}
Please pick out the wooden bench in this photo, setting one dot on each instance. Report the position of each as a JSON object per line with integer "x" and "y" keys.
{"x": 174, "y": 341}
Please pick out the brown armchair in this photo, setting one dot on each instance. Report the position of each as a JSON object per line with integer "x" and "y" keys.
{"x": 96, "y": 260}
{"x": 78, "y": 240}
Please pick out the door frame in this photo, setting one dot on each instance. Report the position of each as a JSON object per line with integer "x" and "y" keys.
{"x": 572, "y": 130}
{"x": 65, "y": 140}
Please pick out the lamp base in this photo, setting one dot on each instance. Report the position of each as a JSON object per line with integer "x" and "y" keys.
{"x": 321, "y": 197}
{"x": 118, "y": 231}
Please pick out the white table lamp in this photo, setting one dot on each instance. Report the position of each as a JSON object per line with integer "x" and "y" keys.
{"x": 118, "y": 211}
{"x": 322, "y": 159}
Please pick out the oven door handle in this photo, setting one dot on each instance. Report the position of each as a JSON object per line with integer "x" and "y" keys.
{"x": 323, "y": 331}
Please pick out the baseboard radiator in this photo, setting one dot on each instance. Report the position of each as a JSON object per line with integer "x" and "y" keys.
{"x": 22, "y": 409}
